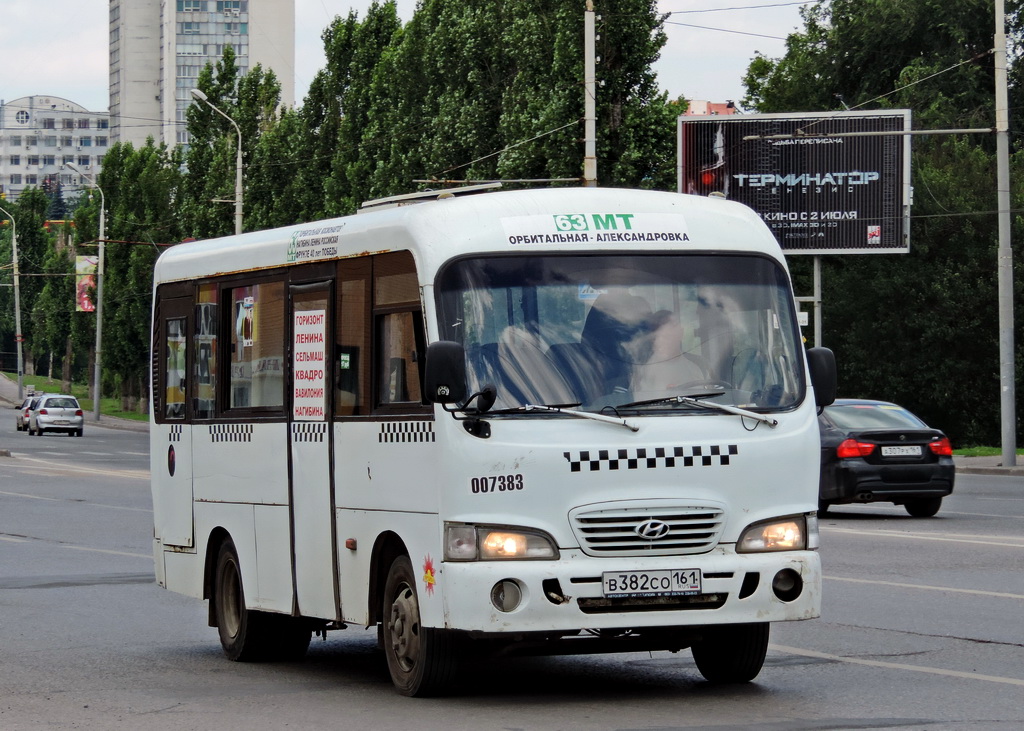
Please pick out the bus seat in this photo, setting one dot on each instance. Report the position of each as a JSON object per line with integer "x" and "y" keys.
{"x": 530, "y": 375}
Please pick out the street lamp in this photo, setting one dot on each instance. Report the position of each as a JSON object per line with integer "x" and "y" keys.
{"x": 200, "y": 96}
{"x": 99, "y": 289}
{"x": 17, "y": 301}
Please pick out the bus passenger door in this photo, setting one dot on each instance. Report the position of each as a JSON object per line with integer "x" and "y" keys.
{"x": 170, "y": 437}
{"x": 314, "y": 554}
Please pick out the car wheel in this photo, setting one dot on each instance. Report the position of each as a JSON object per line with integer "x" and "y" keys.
{"x": 823, "y": 506}
{"x": 78, "y": 432}
{"x": 422, "y": 660}
{"x": 924, "y": 507}
{"x": 732, "y": 653}
{"x": 39, "y": 431}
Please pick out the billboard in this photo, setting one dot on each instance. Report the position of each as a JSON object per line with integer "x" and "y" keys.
{"x": 85, "y": 283}
{"x": 818, "y": 194}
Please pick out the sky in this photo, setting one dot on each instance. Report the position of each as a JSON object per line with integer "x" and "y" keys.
{"x": 59, "y": 47}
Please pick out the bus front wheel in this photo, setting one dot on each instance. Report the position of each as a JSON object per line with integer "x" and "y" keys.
{"x": 248, "y": 635}
{"x": 732, "y": 653}
{"x": 422, "y": 660}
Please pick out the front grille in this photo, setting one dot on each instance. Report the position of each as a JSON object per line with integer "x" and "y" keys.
{"x": 613, "y": 531}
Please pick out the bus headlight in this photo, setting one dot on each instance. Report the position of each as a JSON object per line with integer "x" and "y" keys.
{"x": 465, "y": 542}
{"x": 795, "y": 533}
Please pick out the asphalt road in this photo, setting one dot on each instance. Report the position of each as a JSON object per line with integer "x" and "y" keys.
{"x": 922, "y": 628}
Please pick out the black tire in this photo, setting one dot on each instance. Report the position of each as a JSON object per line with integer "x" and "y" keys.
{"x": 79, "y": 432}
{"x": 248, "y": 635}
{"x": 39, "y": 432}
{"x": 732, "y": 653}
{"x": 823, "y": 506}
{"x": 924, "y": 507}
{"x": 422, "y": 661}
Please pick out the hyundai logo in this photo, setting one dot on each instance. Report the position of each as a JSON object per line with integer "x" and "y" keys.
{"x": 652, "y": 530}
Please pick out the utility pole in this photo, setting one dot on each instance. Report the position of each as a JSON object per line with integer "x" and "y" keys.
{"x": 1007, "y": 388}
{"x": 589, "y": 98}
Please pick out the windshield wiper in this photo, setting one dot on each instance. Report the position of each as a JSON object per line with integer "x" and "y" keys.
{"x": 695, "y": 400}
{"x": 569, "y": 411}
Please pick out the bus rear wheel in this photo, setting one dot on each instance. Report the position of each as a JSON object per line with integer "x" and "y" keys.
{"x": 732, "y": 653}
{"x": 422, "y": 660}
{"x": 248, "y": 635}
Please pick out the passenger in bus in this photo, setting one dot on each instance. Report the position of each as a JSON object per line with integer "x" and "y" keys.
{"x": 666, "y": 365}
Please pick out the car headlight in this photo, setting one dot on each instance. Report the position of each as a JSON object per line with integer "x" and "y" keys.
{"x": 465, "y": 542}
{"x": 795, "y": 533}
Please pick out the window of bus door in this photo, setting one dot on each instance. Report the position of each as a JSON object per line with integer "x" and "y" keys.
{"x": 257, "y": 346}
{"x": 174, "y": 368}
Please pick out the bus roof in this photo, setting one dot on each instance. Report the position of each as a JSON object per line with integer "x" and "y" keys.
{"x": 550, "y": 219}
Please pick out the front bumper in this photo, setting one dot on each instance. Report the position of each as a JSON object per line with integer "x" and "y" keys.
{"x": 565, "y": 595}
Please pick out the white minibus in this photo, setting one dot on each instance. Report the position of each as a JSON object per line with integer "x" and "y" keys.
{"x": 570, "y": 420}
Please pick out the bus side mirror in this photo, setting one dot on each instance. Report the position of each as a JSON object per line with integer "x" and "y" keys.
{"x": 822, "y": 363}
{"x": 445, "y": 373}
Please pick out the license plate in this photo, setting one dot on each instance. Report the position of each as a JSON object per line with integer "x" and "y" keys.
{"x": 661, "y": 582}
{"x": 914, "y": 451}
{"x": 60, "y": 421}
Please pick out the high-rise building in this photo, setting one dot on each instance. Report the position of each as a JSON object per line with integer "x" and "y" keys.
{"x": 158, "y": 48}
{"x": 40, "y": 134}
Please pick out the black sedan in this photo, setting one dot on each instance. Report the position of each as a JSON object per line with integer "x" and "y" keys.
{"x": 877, "y": 451}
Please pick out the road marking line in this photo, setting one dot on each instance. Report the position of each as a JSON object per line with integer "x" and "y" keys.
{"x": 897, "y": 665}
{"x": 999, "y": 594}
{"x": 12, "y": 540}
{"x": 80, "y": 502}
{"x": 77, "y": 469}
{"x": 106, "y": 550}
{"x": 888, "y": 534}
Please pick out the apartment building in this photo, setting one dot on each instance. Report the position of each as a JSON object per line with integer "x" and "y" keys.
{"x": 40, "y": 134}
{"x": 158, "y": 48}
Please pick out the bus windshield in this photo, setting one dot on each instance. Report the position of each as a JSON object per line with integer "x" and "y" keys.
{"x": 608, "y": 331}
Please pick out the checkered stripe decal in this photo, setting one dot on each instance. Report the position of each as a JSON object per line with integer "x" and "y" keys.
{"x": 231, "y": 432}
{"x": 643, "y": 458}
{"x": 406, "y": 431}
{"x": 175, "y": 434}
{"x": 309, "y": 431}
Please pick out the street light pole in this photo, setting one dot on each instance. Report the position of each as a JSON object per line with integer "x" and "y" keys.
{"x": 99, "y": 292}
{"x": 200, "y": 96}
{"x": 17, "y": 302}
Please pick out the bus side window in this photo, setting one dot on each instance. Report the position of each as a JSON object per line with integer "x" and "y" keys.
{"x": 398, "y": 333}
{"x": 398, "y": 360}
{"x": 204, "y": 357}
{"x": 257, "y": 346}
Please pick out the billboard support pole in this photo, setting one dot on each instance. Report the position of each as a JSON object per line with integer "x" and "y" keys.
{"x": 817, "y": 301}
{"x": 1007, "y": 388}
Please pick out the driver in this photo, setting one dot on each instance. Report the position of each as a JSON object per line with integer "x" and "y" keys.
{"x": 667, "y": 366}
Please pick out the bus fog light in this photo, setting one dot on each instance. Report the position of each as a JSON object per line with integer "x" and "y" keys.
{"x": 787, "y": 585}
{"x": 506, "y": 595}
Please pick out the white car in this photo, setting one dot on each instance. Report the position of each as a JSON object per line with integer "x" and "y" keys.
{"x": 56, "y": 412}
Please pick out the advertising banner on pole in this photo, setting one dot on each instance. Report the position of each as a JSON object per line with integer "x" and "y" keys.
{"x": 85, "y": 283}
{"x": 819, "y": 193}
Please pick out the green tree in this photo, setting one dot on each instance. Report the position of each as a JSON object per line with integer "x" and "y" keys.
{"x": 141, "y": 188}
{"x": 211, "y": 156}
{"x": 34, "y": 245}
